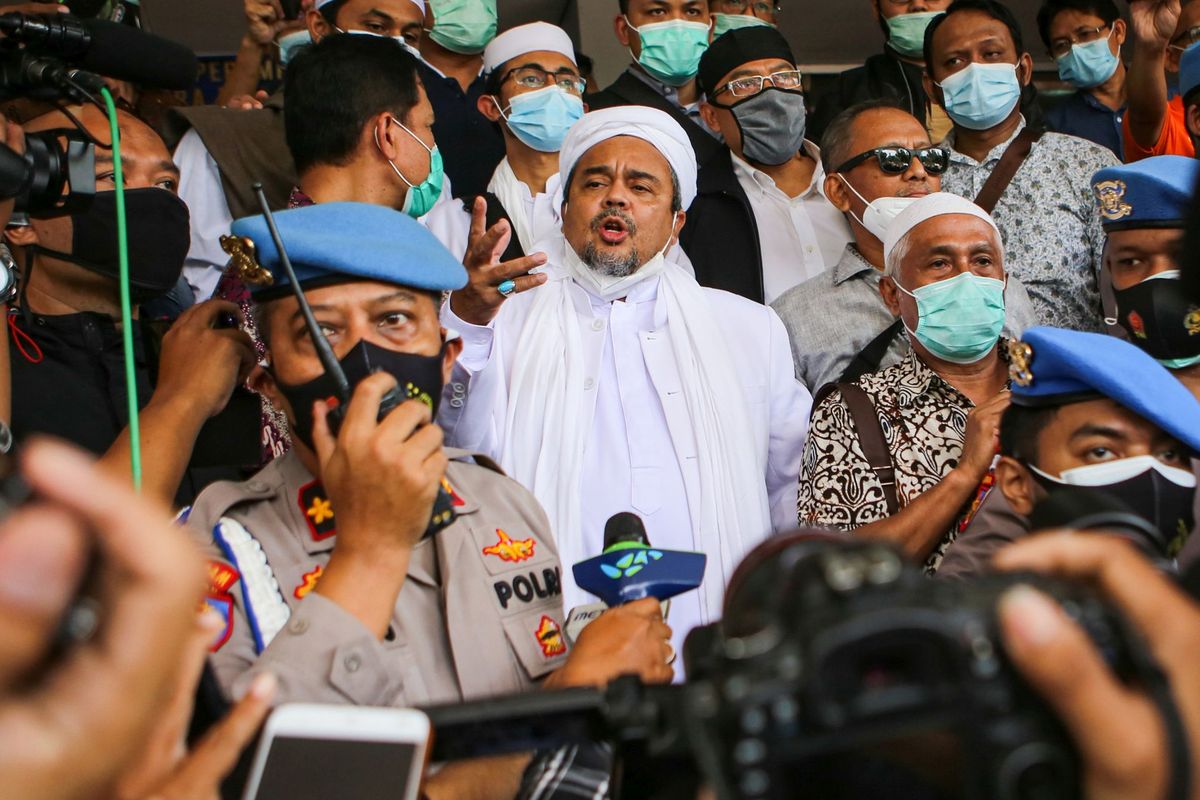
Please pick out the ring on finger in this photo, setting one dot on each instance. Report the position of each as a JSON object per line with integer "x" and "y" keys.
{"x": 507, "y": 287}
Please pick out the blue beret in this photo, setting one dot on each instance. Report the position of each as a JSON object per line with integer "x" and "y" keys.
{"x": 1189, "y": 70}
{"x": 1052, "y": 366}
{"x": 1151, "y": 193}
{"x": 337, "y": 242}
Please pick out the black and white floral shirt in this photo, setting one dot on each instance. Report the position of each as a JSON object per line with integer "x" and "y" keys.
{"x": 1049, "y": 222}
{"x": 924, "y": 421}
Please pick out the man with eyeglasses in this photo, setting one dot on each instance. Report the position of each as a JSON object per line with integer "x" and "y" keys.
{"x": 878, "y": 161}
{"x": 534, "y": 93}
{"x": 760, "y": 223}
{"x": 666, "y": 39}
{"x": 1084, "y": 38}
{"x": 1156, "y": 123}
{"x": 730, "y": 15}
{"x": 221, "y": 152}
{"x": 893, "y": 75}
{"x": 1036, "y": 185}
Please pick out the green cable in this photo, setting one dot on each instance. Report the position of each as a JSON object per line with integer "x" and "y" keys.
{"x": 135, "y": 436}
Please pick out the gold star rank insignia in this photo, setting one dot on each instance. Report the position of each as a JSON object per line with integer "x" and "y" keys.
{"x": 317, "y": 511}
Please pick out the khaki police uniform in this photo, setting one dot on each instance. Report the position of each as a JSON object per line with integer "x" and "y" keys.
{"x": 480, "y": 612}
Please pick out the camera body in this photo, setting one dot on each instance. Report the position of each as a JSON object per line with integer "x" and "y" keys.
{"x": 842, "y": 647}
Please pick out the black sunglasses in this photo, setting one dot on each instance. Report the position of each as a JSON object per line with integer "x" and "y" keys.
{"x": 896, "y": 160}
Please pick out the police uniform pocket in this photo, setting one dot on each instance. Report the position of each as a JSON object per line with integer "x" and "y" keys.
{"x": 538, "y": 640}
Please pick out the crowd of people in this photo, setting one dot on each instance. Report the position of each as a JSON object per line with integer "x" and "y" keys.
{"x": 927, "y": 305}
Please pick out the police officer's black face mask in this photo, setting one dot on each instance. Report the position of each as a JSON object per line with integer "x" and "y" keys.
{"x": 158, "y": 227}
{"x": 418, "y": 377}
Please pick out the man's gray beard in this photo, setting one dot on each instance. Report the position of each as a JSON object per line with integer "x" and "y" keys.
{"x": 610, "y": 264}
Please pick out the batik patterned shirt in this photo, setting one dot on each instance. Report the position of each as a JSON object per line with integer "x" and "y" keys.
{"x": 1049, "y": 222}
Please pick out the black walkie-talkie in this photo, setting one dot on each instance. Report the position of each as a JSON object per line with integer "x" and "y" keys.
{"x": 443, "y": 505}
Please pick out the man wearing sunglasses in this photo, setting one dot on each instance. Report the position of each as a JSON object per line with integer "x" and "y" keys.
{"x": 760, "y": 223}
{"x": 534, "y": 94}
{"x": 1036, "y": 185}
{"x": 878, "y": 161}
{"x": 1156, "y": 123}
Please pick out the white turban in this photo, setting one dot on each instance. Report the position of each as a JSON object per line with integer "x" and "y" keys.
{"x": 526, "y": 39}
{"x": 931, "y": 205}
{"x": 418, "y": 3}
{"x": 648, "y": 124}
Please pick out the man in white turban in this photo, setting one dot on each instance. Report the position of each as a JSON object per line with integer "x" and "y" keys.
{"x": 611, "y": 381}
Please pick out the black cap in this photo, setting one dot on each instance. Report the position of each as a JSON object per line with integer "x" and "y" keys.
{"x": 740, "y": 46}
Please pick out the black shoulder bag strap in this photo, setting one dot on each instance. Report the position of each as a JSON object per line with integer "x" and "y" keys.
{"x": 495, "y": 213}
{"x": 871, "y": 356}
{"x": 870, "y": 436}
{"x": 1010, "y": 162}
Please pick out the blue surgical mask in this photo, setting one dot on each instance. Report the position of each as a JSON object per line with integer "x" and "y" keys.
{"x": 421, "y": 196}
{"x": 671, "y": 50}
{"x": 724, "y": 23}
{"x": 542, "y": 118}
{"x": 463, "y": 26}
{"x": 982, "y": 95}
{"x": 1089, "y": 64}
{"x": 960, "y": 318}
{"x": 291, "y": 43}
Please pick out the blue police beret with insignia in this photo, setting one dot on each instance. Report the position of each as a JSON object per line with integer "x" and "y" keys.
{"x": 332, "y": 243}
{"x": 1054, "y": 367}
{"x": 1151, "y": 193}
{"x": 1189, "y": 70}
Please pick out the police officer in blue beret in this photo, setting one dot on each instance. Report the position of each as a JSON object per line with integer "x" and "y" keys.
{"x": 1090, "y": 413}
{"x": 1143, "y": 207}
{"x": 320, "y": 564}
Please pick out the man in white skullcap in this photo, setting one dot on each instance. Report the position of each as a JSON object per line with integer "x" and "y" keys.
{"x": 917, "y": 458}
{"x": 534, "y": 92}
{"x": 225, "y": 150}
{"x": 611, "y": 381}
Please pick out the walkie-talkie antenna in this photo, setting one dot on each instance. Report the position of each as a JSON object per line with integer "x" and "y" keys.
{"x": 324, "y": 352}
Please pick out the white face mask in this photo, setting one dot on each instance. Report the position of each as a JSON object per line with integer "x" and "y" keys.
{"x": 1110, "y": 472}
{"x": 879, "y": 212}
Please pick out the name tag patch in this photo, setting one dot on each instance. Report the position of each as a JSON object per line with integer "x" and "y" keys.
{"x": 528, "y": 587}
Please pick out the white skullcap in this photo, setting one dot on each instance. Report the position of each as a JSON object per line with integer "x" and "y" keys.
{"x": 418, "y": 3}
{"x": 931, "y": 205}
{"x": 649, "y": 124}
{"x": 526, "y": 39}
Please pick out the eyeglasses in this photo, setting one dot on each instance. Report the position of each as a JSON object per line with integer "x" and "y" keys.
{"x": 760, "y": 8}
{"x": 532, "y": 77}
{"x": 897, "y": 160}
{"x": 790, "y": 80}
{"x": 1060, "y": 47}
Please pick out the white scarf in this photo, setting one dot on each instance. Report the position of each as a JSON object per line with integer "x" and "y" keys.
{"x": 545, "y": 434}
{"x": 514, "y": 195}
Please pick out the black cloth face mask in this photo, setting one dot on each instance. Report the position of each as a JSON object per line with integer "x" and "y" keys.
{"x": 1160, "y": 318}
{"x": 772, "y": 125}
{"x": 159, "y": 233}
{"x": 418, "y": 377}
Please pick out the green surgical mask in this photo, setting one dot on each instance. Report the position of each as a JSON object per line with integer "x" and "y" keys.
{"x": 960, "y": 318}
{"x": 671, "y": 50}
{"x": 421, "y": 196}
{"x": 906, "y": 32}
{"x": 1179, "y": 363}
{"x": 723, "y": 23}
{"x": 463, "y": 26}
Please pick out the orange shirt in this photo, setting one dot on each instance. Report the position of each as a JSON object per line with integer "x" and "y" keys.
{"x": 1173, "y": 140}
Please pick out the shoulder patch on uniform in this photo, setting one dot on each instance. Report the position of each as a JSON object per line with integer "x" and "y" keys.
{"x": 549, "y": 636}
{"x": 308, "y": 582}
{"x": 510, "y": 549}
{"x": 317, "y": 511}
{"x": 266, "y": 610}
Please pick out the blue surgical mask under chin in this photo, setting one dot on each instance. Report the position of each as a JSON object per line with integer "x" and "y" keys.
{"x": 960, "y": 318}
{"x": 291, "y": 43}
{"x": 981, "y": 96}
{"x": 542, "y": 118}
{"x": 1089, "y": 64}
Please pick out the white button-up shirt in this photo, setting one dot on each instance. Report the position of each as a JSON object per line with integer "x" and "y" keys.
{"x": 801, "y": 236}
{"x": 631, "y": 461}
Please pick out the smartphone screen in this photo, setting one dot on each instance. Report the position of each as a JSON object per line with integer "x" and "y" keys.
{"x": 316, "y": 769}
